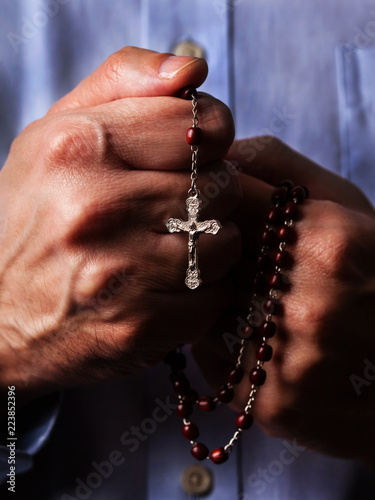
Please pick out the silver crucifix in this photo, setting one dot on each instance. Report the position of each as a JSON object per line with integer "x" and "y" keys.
{"x": 194, "y": 228}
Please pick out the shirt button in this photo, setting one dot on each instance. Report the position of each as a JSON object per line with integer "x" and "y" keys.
{"x": 188, "y": 48}
{"x": 197, "y": 480}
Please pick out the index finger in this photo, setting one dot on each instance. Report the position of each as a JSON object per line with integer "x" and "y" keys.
{"x": 269, "y": 159}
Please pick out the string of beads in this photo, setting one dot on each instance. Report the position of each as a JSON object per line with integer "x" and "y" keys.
{"x": 268, "y": 283}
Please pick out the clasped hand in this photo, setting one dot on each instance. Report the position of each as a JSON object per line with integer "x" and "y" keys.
{"x": 93, "y": 284}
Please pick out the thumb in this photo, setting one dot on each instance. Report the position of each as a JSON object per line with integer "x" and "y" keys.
{"x": 134, "y": 72}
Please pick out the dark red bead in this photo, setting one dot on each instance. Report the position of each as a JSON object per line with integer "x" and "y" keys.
{"x": 194, "y": 136}
{"x": 289, "y": 185}
{"x": 188, "y": 92}
{"x": 257, "y": 376}
{"x": 181, "y": 386}
{"x": 225, "y": 394}
{"x": 235, "y": 376}
{"x": 276, "y": 280}
{"x": 280, "y": 258}
{"x": 267, "y": 329}
{"x": 264, "y": 352}
{"x": 298, "y": 194}
{"x": 269, "y": 238}
{"x": 184, "y": 409}
{"x": 219, "y": 456}
{"x": 275, "y": 215}
{"x": 199, "y": 451}
{"x": 246, "y": 331}
{"x": 244, "y": 420}
{"x": 180, "y": 383}
{"x": 290, "y": 210}
{"x": 191, "y": 396}
{"x": 284, "y": 233}
{"x": 280, "y": 196}
{"x": 271, "y": 306}
{"x": 190, "y": 432}
{"x": 306, "y": 189}
{"x": 263, "y": 262}
{"x": 206, "y": 403}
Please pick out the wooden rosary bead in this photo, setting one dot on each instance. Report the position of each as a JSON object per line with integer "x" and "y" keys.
{"x": 191, "y": 396}
{"x": 272, "y": 306}
{"x": 244, "y": 420}
{"x": 219, "y": 456}
{"x": 190, "y": 432}
{"x": 206, "y": 403}
{"x": 290, "y": 210}
{"x": 298, "y": 194}
{"x": 306, "y": 189}
{"x": 225, "y": 394}
{"x": 246, "y": 331}
{"x": 276, "y": 280}
{"x": 288, "y": 184}
{"x": 284, "y": 233}
{"x": 280, "y": 196}
{"x": 181, "y": 386}
{"x": 199, "y": 451}
{"x": 188, "y": 93}
{"x": 269, "y": 238}
{"x": 257, "y": 376}
{"x": 264, "y": 352}
{"x": 235, "y": 376}
{"x": 184, "y": 409}
{"x": 275, "y": 215}
{"x": 194, "y": 136}
{"x": 280, "y": 258}
{"x": 267, "y": 329}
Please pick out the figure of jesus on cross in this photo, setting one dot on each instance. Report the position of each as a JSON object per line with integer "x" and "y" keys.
{"x": 194, "y": 228}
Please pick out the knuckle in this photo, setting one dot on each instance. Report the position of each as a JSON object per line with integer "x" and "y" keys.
{"x": 113, "y": 66}
{"x": 218, "y": 117}
{"x": 73, "y": 140}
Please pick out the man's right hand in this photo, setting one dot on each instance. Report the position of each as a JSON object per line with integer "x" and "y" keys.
{"x": 92, "y": 284}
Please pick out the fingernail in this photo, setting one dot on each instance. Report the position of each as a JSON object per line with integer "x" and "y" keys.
{"x": 173, "y": 64}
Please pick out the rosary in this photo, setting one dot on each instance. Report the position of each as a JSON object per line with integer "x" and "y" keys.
{"x": 268, "y": 282}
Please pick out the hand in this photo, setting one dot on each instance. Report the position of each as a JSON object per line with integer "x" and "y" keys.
{"x": 92, "y": 282}
{"x": 327, "y": 329}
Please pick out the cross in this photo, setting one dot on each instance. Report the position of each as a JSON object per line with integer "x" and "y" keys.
{"x": 194, "y": 228}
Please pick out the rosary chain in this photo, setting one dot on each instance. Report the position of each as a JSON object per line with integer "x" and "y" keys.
{"x": 194, "y": 152}
{"x": 274, "y": 241}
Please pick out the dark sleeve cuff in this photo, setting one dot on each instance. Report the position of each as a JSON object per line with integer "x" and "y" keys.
{"x": 34, "y": 424}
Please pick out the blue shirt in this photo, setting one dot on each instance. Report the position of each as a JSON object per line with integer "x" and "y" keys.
{"x": 305, "y": 74}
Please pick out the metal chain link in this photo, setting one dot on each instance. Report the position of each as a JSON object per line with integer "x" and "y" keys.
{"x": 193, "y": 191}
